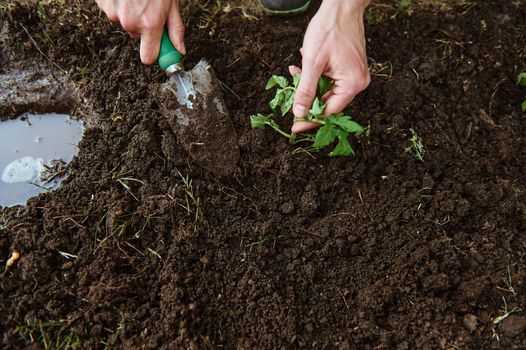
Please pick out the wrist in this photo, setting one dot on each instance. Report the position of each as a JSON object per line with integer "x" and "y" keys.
{"x": 345, "y": 6}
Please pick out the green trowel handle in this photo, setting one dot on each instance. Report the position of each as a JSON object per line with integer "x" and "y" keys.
{"x": 168, "y": 55}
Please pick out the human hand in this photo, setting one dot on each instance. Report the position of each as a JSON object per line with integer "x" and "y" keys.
{"x": 334, "y": 46}
{"x": 145, "y": 20}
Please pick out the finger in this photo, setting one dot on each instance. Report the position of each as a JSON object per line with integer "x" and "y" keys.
{"x": 306, "y": 90}
{"x": 293, "y": 70}
{"x": 326, "y": 96}
{"x": 334, "y": 104}
{"x": 343, "y": 92}
{"x": 301, "y": 126}
{"x": 150, "y": 44}
{"x": 337, "y": 103}
{"x": 176, "y": 28}
{"x": 109, "y": 9}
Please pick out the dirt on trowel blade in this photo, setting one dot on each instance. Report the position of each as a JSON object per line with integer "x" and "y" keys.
{"x": 201, "y": 121}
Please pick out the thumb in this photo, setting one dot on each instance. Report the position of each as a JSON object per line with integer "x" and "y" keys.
{"x": 175, "y": 26}
{"x": 306, "y": 91}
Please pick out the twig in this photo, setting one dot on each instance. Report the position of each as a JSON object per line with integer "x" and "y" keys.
{"x": 309, "y": 232}
{"x": 42, "y": 53}
{"x": 364, "y": 207}
{"x": 345, "y": 301}
{"x": 493, "y": 95}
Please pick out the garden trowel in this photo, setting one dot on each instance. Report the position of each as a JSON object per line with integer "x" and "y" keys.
{"x": 193, "y": 104}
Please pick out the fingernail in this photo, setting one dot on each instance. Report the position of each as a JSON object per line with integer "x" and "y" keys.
{"x": 300, "y": 111}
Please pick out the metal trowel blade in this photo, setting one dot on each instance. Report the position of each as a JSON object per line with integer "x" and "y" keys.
{"x": 193, "y": 103}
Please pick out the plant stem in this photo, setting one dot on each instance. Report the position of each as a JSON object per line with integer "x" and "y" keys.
{"x": 315, "y": 119}
{"x": 282, "y": 132}
{"x": 292, "y": 139}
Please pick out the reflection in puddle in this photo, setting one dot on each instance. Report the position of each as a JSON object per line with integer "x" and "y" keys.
{"x": 34, "y": 150}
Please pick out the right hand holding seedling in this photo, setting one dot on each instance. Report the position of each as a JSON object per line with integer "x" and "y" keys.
{"x": 334, "y": 127}
{"x": 334, "y": 46}
{"x": 145, "y": 20}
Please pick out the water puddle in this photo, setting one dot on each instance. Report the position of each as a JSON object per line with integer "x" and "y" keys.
{"x": 34, "y": 150}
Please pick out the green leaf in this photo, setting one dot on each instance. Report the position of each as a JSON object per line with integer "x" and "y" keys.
{"x": 521, "y": 79}
{"x": 317, "y": 107}
{"x": 523, "y": 106}
{"x": 288, "y": 100}
{"x": 274, "y": 80}
{"x": 325, "y": 136}
{"x": 343, "y": 148}
{"x": 260, "y": 120}
{"x": 346, "y": 123}
{"x": 284, "y": 99}
{"x": 324, "y": 85}
{"x": 277, "y": 100}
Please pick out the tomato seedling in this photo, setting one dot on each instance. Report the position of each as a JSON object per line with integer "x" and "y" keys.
{"x": 521, "y": 80}
{"x": 333, "y": 127}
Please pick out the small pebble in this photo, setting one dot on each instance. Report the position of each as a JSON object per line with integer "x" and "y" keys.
{"x": 287, "y": 208}
{"x": 470, "y": 322}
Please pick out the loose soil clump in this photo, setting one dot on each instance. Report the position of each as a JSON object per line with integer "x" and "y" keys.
{"x": 141, "y": 248}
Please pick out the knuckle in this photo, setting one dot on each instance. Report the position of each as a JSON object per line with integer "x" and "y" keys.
{"x": 110, "y": 13}
{"x": 358, "y": 83}
{"x": 363, "y": 82}
{"x": 179, "y": 29}
{"x": 128, "y": 24}
{"x": 305, "y": 92}
{"x": 149, "y": 26}
{"x": 151, "y": 23}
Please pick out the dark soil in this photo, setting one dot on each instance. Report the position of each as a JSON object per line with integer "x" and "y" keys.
{"x": 375, "y": 251}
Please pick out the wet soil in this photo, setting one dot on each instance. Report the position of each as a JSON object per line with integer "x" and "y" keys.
{"x": 34, "y": 89}
{"x": 375, "y": 251}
